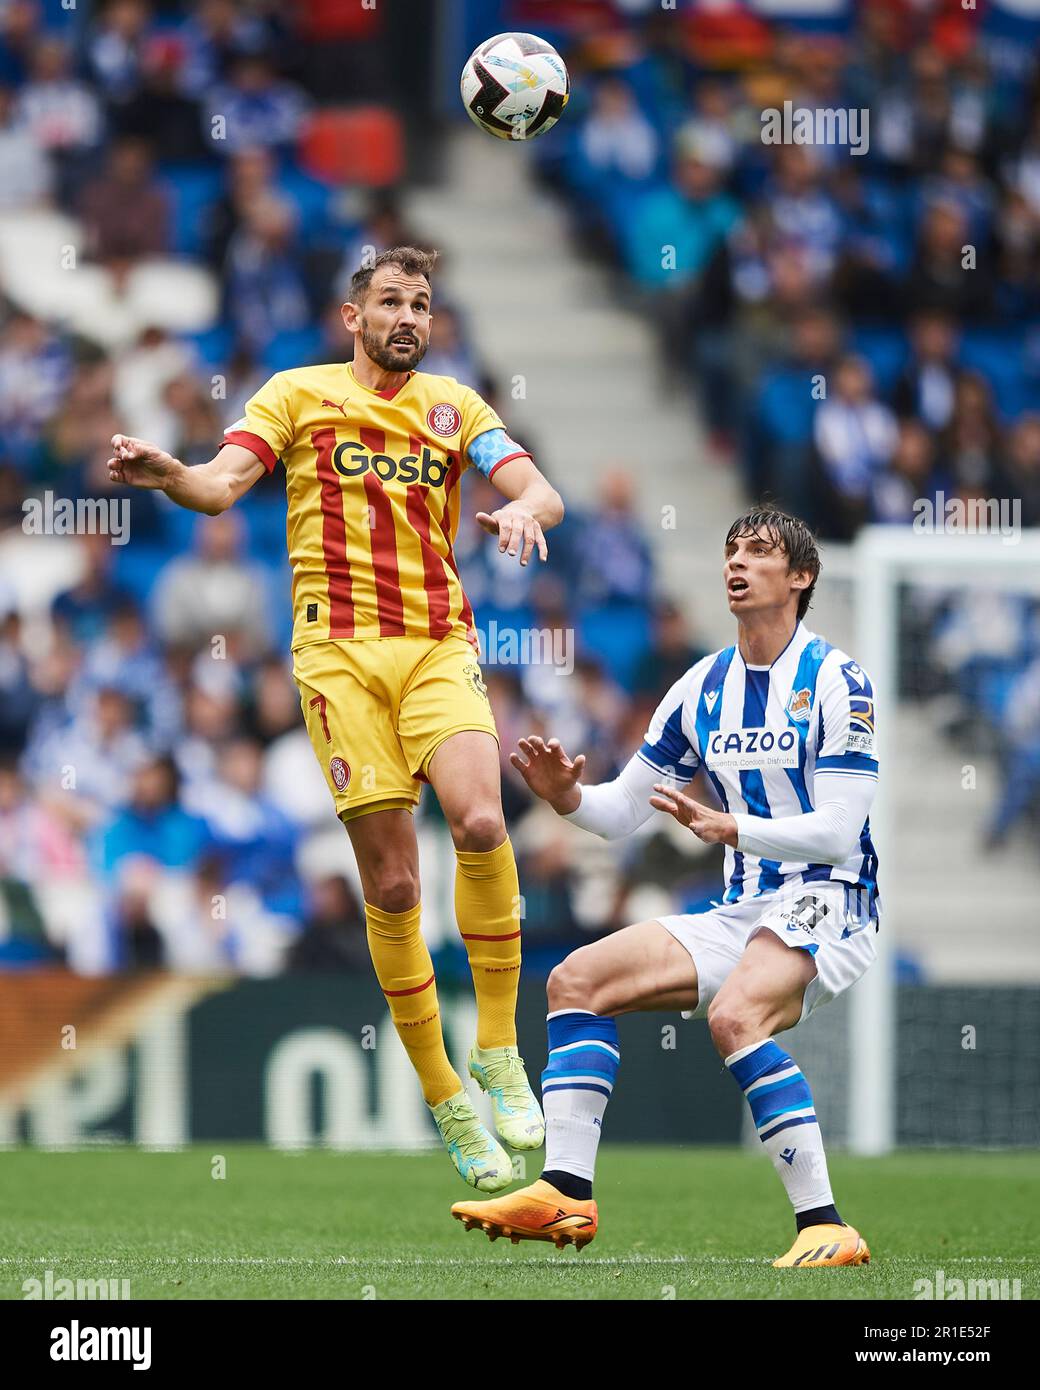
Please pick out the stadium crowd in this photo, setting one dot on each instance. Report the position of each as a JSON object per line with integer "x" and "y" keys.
{"x": 168, "y": 239}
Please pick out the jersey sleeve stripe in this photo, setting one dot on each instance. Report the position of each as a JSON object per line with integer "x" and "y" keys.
{"x": 520, "y": 454}
{"x": 334, "y": 538}
{"x": 848, "y": 762}
{"x": 658, "y": 759}
{"x": 255, "y": 444}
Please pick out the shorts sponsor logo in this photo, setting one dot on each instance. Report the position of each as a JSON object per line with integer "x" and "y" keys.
{"x": 340, "y": 772}
{"x": 444, "y": 419}
{"x": 799, "y": 704}
{"x": 751, "y": 748}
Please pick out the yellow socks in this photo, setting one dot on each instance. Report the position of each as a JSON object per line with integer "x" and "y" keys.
{"x": 405, "y": 974}
{"x": 487, "y": 909}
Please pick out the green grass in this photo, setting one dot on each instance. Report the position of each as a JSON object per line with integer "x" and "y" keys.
{"x": 702, "y": 1222}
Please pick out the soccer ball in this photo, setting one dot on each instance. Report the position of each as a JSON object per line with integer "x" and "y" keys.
{"x": 515, "y": 86}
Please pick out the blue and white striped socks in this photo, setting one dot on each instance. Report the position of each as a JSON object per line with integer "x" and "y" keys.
{"x": 785, "y": 1117}
{"x": 576, "y": 1084}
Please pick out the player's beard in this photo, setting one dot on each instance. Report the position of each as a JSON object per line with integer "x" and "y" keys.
{"x": 384, "y": 356}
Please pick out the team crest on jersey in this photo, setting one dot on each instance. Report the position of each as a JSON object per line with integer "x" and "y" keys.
{"x": 476, "y": 680}
{"x": 444, "y": 419}
{"x": 799, "y": 704}
{"x": 340, "y": 772}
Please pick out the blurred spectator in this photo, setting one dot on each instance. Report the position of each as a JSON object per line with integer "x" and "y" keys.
{"x": 615, "y": 566}
{"x": 17, "y": 697}
{"x": 83, "y": 612}
{"x": 252, "y": 838}
{"x": 264, "y": 287}
{"x": 970, "y": 444}
{"x": 159, "y": 110}
{"x": 36, "y": 845}
{"x": 938, "y": 278}
{"x": 673, "y": 232}
{"x": 253, "y": 107}
{"x": 28, "y": 178}
{"x": 926, "y": 387}
{"x": 855, "y": 436}
{"x": 34, "y": 371}
{"x": 125, "y": 211}
{"x": 909, "y": 476}
{"x": 61, "y": 114}
{"x": 216, "y": 591}
{"x": 1020, "y": 475}
{"x": 115, "y": 49}
{"x": 19, "y": 35}
{"x": 153, "y": 825}
{"x": 91, "y": 760}
{"x": 212, "y": 35}
{"x": 670, "y": 655}
{"x": 616, "y": 140}
{"x": 333, "y": 937}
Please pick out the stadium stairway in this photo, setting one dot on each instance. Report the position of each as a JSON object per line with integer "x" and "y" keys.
{"x": 578, "y": 373}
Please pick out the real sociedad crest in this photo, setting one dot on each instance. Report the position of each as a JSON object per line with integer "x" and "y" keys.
{"x": 799, "y": 705}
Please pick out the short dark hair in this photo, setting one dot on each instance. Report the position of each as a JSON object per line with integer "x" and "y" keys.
{"x": 410, "y": 259}
{"x": 792, "y": 535}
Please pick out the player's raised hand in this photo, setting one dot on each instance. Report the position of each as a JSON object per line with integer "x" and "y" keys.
{"x": 549, "y": 772}
{"x": 713, "y": 827}
{"x": 516, "y": 529}
{"x": 137, "y": 463}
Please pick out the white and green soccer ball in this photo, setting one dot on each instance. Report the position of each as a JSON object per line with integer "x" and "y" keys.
{"x": 515, "y": 86}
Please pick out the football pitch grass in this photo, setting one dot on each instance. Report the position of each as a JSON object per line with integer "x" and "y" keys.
{"x": 682, "y": 1223}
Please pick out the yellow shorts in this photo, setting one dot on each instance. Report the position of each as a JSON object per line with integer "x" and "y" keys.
{"x": 378, "y": 710}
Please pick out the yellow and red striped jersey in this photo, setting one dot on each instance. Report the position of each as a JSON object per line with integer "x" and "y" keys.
{"x": 372, "y": 480}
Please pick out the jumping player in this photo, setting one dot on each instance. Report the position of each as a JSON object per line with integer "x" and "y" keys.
{"x": 384, "y": 657}
{"x": 783, "y": 725}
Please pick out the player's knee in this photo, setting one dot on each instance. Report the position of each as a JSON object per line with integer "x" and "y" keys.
{"x": 393, "y": 888}
{"x": 478, "y": 829}
{"x": 573, "y": 984}
{"x": 730, "y": 1025}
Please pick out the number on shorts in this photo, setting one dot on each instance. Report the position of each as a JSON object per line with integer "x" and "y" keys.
{"x": 319, "y": 703}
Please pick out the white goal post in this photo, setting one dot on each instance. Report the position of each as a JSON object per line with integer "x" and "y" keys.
{"x": 882, "y": 558}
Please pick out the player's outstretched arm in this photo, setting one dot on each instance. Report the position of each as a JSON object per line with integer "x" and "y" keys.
{"x": 208, "y": 487}
{"x": 549, "y": 772}
{"x": 534, "y": 508}
{"x": 608, "y": 809}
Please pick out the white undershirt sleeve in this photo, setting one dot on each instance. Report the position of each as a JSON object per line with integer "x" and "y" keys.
{"x": 826, "y": 835}
{"x": 614, "y": 809}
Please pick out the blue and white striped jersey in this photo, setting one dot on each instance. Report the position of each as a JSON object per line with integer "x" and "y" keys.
{"x": 762, "y": 735}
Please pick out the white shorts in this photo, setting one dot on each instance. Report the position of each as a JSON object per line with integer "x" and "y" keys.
{"x": 829, "y": 919}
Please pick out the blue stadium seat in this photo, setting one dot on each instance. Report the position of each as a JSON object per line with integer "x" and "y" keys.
{"x": 999, "y": 357}
{"x": 617, "y": 637}
{"x": 886, "y": 350}
{"x": 192, "y": 189}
